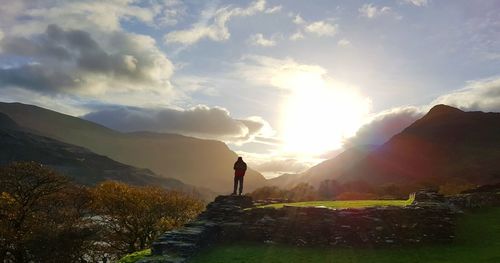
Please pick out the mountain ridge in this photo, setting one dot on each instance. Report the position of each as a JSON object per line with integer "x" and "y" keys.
{"x": 445, "y": 144}
{"x": 80, "y": 164}
{"x": 199, "y": 162}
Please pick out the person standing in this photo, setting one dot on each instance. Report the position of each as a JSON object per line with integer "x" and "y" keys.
{"x": 240, "y": 167}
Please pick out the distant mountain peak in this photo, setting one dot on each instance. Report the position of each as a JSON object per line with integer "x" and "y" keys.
{"x": 442, "y": 109}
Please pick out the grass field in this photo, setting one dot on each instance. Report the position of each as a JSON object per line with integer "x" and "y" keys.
{"x": 346, "y": 204}
{"x": 478, "y": 240}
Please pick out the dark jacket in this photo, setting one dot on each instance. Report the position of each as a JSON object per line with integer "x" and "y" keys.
{"x": 240, "y": 167}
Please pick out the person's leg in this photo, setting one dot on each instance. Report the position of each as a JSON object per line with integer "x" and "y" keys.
{"x": 241, "y": 184}
{"x": 235, "y": 184}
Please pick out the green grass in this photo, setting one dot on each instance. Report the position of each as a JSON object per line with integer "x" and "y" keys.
{"x": 131, "y": 258}
{"x": 478, "y": 240}
{"x": 346, "y": 204}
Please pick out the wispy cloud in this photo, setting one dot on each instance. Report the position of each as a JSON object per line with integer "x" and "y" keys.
{"x": 416, "y": 2}
{"x": 372, "y": 11}
{"x": 274, "y": 9}
{"x": 343, "y": 43}
{"x": 297, "y": 36}
{"x": 213, "y": 24}
{"x": 322, "y": 28}
{"x": 259, "y": 40}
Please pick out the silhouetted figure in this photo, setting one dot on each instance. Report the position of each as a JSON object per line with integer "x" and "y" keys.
{"x": 240, "y": 167}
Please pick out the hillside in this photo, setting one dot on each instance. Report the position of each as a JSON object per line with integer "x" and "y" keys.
{"x": 203, "y": 163}
{"x": 330, "y": 169}
{"x": 446, "y": 143}
{"x": 83, "y": 166}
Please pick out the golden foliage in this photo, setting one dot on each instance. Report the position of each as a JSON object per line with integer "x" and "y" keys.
{"x": 135, "y": 216}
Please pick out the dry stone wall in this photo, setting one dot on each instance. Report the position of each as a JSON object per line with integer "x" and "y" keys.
{"x": 235, "y": 219}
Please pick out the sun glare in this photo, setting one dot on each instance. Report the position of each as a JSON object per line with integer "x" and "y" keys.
{"x": 320, "y": 114}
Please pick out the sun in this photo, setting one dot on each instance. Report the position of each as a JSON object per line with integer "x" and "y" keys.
{"x": 320, "y": 114}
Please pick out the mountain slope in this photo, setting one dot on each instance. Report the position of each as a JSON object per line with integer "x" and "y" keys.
{"x": 203, "y": 163}
{"x": 83, "y": 166}
{"x": 446, "y": 143}
{"x": 330, "y": 169}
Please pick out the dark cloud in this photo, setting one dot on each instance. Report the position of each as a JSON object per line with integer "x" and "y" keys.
{"x": 62, "y": 59}
{"x": 199, "y": 121}
{"x": 385, "y": 125}
{"x": 36, "y": 76}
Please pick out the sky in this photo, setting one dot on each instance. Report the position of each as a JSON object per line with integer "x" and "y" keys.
{"x": 285, "y": 84}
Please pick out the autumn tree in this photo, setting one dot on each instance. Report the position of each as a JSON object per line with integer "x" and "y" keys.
{"x": 135, "y": 216}
{"x": 42, "y": 216}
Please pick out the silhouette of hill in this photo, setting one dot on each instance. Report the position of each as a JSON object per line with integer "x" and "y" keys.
{"x": 446, "y": 143}
{"x": 80, "y": 164}
{"x": 330, "y": 169}
{"x": 203, "y": 163}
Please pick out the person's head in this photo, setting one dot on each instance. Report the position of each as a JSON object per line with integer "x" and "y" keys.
{"x": 240, "y": 158}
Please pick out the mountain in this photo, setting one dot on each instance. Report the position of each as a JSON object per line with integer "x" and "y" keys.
{"x": 445, "y": 144}
{"x": 330, "y": 169}
{"x": 80, "y": 164}
{"x": 203, "y": 163}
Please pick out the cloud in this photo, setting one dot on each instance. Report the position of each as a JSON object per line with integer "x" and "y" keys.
{"x": 322, "y": 28}
{"x": 92, "y": 15}
{"x": 297, "y": 36}
{"x": 280, "y": 73}
{"x": 482, "y": 95}
{"x": 260, "y": 40}
{"x": 72, "y": 61}
{"x": 169, "y": 12}
{"x": 343, "y": 43}
{"x": 384, "y": 125}
{"x": 274, "y": 9}
{"x": 298, "y": 20}
{"x": 200, "y": 121}
{"x": 371, "y": 11}
{"x": 213, "y": 24}
{"x": 417, "y": 2}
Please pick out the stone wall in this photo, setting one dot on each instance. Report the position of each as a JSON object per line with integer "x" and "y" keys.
{"x": 235, "y": 219}
{"x": 368, "y": 227}
{"x": 475, "y": 200}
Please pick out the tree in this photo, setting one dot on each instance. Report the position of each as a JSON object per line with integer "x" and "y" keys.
{"x": 135, "y": 216}
{"x": 42, "y": 216}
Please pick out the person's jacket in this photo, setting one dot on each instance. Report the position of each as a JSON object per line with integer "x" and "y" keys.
{"x": 240, "y": 168}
